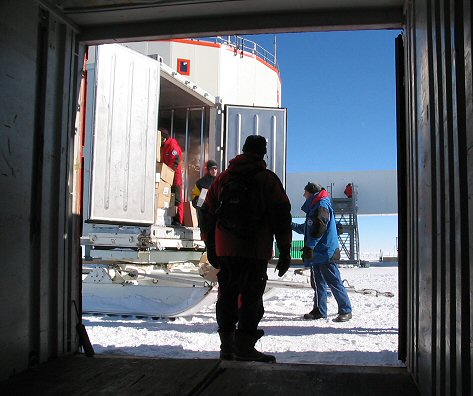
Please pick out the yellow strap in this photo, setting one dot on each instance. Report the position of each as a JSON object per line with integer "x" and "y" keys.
{"x": 195, "y": 192}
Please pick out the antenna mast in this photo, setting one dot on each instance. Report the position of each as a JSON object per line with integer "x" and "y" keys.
{"x": 275, "y": 51}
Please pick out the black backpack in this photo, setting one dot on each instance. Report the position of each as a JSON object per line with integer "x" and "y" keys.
{"x": 240, "y": 206}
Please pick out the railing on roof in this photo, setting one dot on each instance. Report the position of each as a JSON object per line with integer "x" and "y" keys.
{"x": 241, "y": 44}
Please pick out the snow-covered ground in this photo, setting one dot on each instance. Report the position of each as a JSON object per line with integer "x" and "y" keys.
{"x": 370, "y": 338}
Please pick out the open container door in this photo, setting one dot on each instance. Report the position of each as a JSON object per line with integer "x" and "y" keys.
{"x": 122, "y": 121}
{"x": 269, "y": 122}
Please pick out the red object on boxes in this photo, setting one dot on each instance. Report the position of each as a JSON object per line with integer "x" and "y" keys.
{"x": 190, "y": 215}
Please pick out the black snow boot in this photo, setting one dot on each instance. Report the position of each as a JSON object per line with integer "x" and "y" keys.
{"x": 259, "y": 334}
{"x": 343, "y": 317}
{"x": 314, "y": 314}
{"x": 245, "y": 348}
{"x": 227, "y": 346}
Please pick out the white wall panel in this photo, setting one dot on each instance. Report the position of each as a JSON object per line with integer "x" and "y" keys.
{"x": 204, "y": 67}
{"x": 124, "y": 134}
{"x": 376, "y": 190}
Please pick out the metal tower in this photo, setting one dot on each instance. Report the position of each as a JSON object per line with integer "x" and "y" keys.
{"x": 347, "y": 225}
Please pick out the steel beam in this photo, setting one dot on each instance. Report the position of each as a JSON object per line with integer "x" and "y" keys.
{"x": 256, "y": 23}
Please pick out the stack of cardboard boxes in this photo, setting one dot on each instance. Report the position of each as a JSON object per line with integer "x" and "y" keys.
{"x": 165, "y": 206}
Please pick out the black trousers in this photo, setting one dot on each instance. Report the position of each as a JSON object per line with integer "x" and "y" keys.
{"x": 241, "y": 284}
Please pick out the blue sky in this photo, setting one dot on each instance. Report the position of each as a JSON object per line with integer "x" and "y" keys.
{"x": 339, "y": 89}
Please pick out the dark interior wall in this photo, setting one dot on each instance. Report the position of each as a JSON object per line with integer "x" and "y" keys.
{"x": 17, "y": 76}
{"x": 438, "y": 195}
{"x": 39, "y": 249}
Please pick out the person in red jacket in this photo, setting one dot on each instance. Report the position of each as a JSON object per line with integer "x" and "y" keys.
{"x": 241, "y": 244}
{"x": 348, "y": 190}
{"x": 171, "y": 155}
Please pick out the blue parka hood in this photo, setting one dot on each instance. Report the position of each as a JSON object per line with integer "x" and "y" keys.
{"x": 325, "y": 246}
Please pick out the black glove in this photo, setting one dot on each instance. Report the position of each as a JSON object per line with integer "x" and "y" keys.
{"x": 307, "y": 253}
{"x": 284, "y": 262}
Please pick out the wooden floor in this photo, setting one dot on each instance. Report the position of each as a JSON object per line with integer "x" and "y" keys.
{"x": 106, "y": 375}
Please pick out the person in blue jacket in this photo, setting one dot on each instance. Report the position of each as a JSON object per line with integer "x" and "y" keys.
{"x": 320, "y": 251}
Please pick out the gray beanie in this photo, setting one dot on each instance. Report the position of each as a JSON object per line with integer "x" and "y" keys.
{"x": 313, "y": 188}
{"x": 211, "y": 164}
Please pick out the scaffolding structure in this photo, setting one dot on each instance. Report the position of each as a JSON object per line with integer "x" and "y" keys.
{"x": 345, "y": 211}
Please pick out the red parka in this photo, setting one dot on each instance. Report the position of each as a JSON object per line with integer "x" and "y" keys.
{"x": 276, "y": 221}
{"x": 348, "y": 190}
{"x": 171, "y": 154}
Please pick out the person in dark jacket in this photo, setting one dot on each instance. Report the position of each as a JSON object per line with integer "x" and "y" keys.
{"x": 204, "y": 183}
{"x": 171, "y": 155}
{"x": 320, "y": 251}
{"x": 243, "y": 259}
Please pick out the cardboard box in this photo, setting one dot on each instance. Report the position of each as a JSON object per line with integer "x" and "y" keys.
{"x": 163, "y": 194}
{"x": 163, "y": 204}
{"x": 165, "y": 172}
{"x": 163, "y": 188}
{"x": 158, "y": 146}
{"x": 190, "y": 215}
